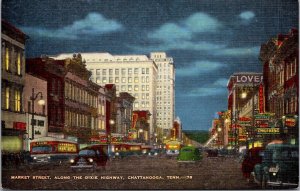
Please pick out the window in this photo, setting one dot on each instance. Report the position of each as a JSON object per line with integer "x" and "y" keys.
{"x": 143, "y": 87}
{"x": 111, "y": 80}
{"x": 117, "y": 72}
{"x": 123, "y": 88}
{"x": 29, "y": 106}
{"x": 130, "y": 88}
{"x": 136, "y": 88}
{"x": 143, "y": 70}
{"x": 19, "y": 63}
{"x": 110, "y": 72}
{"x": 104, "y": 79}
{"x": 129, "y": 79}
{"x": 143, "y": 79}
{"x": 147, "y": 70}
{"x": 98, "y": 80}
{"x": 136, "y": 71}
{"x": 136, "y": 104}
{"x": 123, "y": 80}
{"x": 147, "y": 78}
{"x": 17, "y": 100}
{"x": 129, "y": 71}
{"x": 98, "y": 72}
{"x": 147, "y": 87}
{"x": 104, "y": 72}
{"x": 7, "y": 91}
{"x": 123, "y": 71}
{"x": 136, "y": 79}
{"x": 117, "y": 79}
{"x": 7, "y": 59}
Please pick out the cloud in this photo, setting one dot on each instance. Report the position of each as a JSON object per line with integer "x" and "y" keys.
{"x": 221, "y": 82}
{"x": 242, "y": 51}
{"x": 247, "y": 15}
{"x": 179, "y": 45}
{"x": 206, "y": 92}
{"x": 169, "y": 32}
{"x": 185, "y": 29}
{"x": 202, "y": 22}
{"x": 93, "y": 24}
{"x": 197, "y": 68}
{"x": 214, "y": 89}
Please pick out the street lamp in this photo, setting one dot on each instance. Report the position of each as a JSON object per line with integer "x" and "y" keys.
{"x": 40, "y": 102}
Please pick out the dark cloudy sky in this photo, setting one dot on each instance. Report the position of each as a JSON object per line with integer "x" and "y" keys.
{"x": 208, "y": 39}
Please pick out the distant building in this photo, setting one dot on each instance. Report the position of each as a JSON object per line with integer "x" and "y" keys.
{"x": 135, "y": 74}
{"x": 165, "y": 91}
{"x": 241, "y": 87}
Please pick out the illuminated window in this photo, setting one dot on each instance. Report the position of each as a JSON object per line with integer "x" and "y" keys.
{"x": 130, "y": 80}
{"x": 17, "y": 100}
{"x": 130, "y": 88}
{"x": 123, "y": 80}
{"x": 7, "y": 59}
{"x": 136, "y": 79}
{"x": 136, "y": 88}
{"x": 19, "y": 64}
{"x": 7, "y": 98}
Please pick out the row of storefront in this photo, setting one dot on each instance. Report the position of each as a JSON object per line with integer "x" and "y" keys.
{"x": 263, "y": 107}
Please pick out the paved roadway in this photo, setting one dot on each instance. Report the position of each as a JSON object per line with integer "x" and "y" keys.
{"x": 134, "y": 173}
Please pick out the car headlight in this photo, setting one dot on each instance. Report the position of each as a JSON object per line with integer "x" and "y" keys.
{"x": 117, "y": 154}
{"x": 49, "y": 157}
{"x": 34, "y": 158}
{"x": 155, "y": 154}
{"x": 72, "y": 161}
{"x": 90, "y": 160}
{"x": 149, "y": 154}
{"x": 176, "y": 151}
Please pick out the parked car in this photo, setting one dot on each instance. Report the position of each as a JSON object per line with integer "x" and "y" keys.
{"x": 90, "y": 158}
{"x": 189, "y": 154}
{"x": 279, "y": 166}
{"x": 212, "y": 152}
{"x": 251, "y": 158}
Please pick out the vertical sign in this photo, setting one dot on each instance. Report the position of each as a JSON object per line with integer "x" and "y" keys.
{"x": 261, "y": 99}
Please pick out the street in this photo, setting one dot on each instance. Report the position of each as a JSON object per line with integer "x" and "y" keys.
{"x": 135, "y": 172}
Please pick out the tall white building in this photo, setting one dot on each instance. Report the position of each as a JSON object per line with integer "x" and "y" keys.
{"x": 165, "y": 91}
{"x": 135, "y": 74}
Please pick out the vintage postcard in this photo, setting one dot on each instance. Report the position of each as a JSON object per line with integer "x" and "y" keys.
{"x": 149, "y": 95}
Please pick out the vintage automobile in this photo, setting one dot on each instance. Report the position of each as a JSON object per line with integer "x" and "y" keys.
{"x": 279, "y": 166}
{"x": 251, "y": 158}
{"x": 90, "y": 158}
{"x": 189, "y": 154}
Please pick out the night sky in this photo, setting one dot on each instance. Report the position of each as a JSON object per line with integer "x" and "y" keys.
{"x": 208, "y": 39}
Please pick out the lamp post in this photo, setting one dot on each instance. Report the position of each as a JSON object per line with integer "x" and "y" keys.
{"x": 40, "y": 102}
